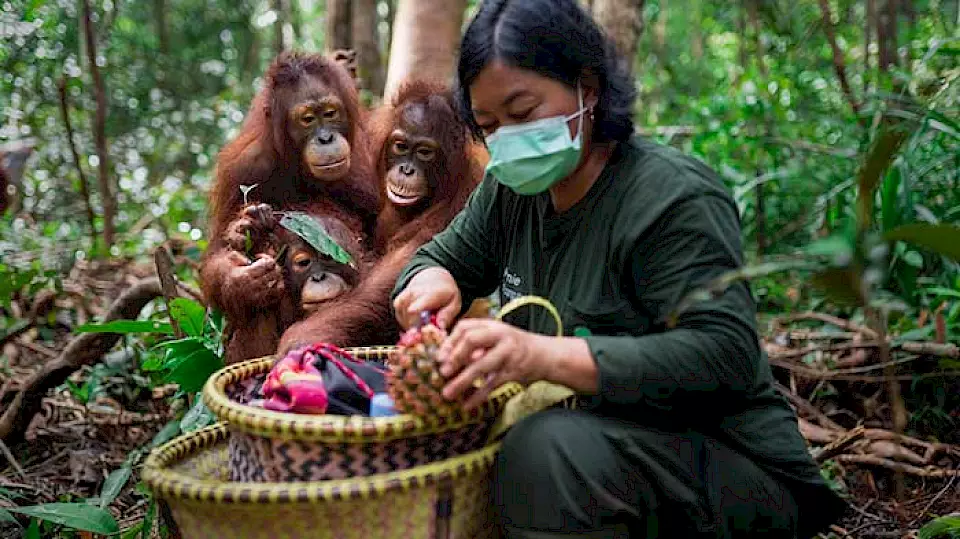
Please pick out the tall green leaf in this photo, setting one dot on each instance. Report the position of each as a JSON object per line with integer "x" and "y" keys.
{"x": 313, "y": 232}
{"x": 127, "y": 326}
{"x": 114, "y": 483}
{"x": 80, "y": 516}
{"x": 941, "y": 239}
{"x": 883, "y": 153}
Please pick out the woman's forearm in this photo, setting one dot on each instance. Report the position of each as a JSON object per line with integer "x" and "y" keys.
{"x": 567, "y": 361}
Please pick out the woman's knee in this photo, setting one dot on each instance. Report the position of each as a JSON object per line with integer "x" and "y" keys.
{"x": 556, "y": 470}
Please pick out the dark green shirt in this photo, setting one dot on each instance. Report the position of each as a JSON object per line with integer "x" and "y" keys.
{"x": 655, "y": 226}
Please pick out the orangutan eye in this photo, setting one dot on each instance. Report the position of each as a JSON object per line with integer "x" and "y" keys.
{"x": 302, "y": 261}
{"x": 400, "y": 147}
{"x": 331, "y": 114}
{"x": 308, "y": 119}
{"x": 426, "y": 154}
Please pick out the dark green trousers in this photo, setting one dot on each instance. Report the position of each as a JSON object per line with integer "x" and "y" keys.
{"x": 570, "y": 473}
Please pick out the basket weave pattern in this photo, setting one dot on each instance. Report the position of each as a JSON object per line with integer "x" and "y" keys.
{"x": 275, "y": 446}
{"x": 442, "y": 500}
{"x": 256, "y": 458}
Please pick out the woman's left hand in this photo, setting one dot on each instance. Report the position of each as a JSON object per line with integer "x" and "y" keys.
{"x": 490, "y": 350}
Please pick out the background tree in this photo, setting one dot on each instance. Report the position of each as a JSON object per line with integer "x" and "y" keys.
{"x": 425, "y": 38}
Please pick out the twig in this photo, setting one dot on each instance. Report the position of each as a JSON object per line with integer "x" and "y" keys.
{"x": 935, "y": 499}
{"x": 817, "y": 374}
{"x": 802, "y": 404}
{"x": 99, "y": 128}
{"x": 17, "y": 329}
{"x": 13, "y": 462}
{"x": 191, "y": 291}
{"x": 840, "y": 444}
{"x": 846, "y": 325}
{"x": 919, "y": 348}
{"x": 838, "y": 64}
{"x": 837, "y": 347}
{"x": 840, "y": 531}
{"x": 38, "y": 349}
{"x": 897, "y": 466}
{"x": 846, "y": 153}
{"x": 168, "y": 284}
{"x": 930, "y": 349}
{"x": 84, "y": 186}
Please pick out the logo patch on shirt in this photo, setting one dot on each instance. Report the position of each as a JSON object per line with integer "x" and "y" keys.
{"x": 510, "y": 286}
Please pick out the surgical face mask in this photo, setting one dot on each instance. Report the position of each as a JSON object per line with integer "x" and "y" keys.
{"x": 532, "y": 157}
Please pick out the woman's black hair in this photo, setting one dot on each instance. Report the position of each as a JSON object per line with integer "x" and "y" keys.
{"x": 557, "y": 39}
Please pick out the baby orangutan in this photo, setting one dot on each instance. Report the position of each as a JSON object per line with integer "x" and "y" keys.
{"x": 309, "y": 279}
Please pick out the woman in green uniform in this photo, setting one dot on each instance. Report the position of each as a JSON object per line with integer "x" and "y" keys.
{"x": 680, "y": 432}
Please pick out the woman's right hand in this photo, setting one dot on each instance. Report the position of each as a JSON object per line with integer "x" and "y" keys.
{"x": 432, "y": 289}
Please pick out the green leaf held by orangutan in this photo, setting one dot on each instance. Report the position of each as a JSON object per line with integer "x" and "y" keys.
{"x": 313, "y": 232}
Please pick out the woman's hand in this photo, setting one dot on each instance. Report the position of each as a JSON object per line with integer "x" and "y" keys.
{"x": 432, "y": 289}
{"x": 491, "y": 351}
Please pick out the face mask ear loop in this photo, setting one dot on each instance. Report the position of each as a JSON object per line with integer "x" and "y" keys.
{"x": 580, "y": 111}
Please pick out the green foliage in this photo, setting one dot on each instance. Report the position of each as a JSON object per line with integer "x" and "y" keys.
{"x": 944, "y": 527}
{"x": 312, "y": 232}
{"x": 79, "y": 516}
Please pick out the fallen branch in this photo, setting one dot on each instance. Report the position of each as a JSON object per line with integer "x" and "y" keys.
{"x": 82, "y": 350}
{"x": 846, "y": 325}
{"x": 839, "y": 445}
{"x": 930, "y": 349}
{"x": 803, "y": 405}
{"x": 818, "y": 374}
{"x": 12, "y": 460}
{"x": 901, "y": 467}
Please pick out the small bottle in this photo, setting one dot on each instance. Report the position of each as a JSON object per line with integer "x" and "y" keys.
{"x": 381, "y": 405}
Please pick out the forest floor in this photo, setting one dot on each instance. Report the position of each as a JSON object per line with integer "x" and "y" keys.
{"x": 75, "y": 441}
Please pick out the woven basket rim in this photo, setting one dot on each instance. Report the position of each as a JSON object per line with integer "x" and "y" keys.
{"x": 330, "y": 427}
{"x": 175, "y": 485}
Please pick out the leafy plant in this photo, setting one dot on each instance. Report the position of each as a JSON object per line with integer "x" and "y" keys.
{"x": 945, "y": 526}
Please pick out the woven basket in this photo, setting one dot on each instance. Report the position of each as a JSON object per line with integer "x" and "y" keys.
{"x": 272, "y": 446}
{"x": 447, "y": 499}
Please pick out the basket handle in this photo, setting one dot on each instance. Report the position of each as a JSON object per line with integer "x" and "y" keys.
{"x": 538, "y": 395}
{"x": 522, "y": 301}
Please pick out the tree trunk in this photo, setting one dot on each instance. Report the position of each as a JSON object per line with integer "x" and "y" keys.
{"x": 278, "y": 45}
{"x": 365, "y": 42}
{"x": 339, "y": 25}
{"x": 295, "y": 18}
{"x": 839, "y": 65}
{"x": 660, "y": 29}
{"x": 696, "y": 37}
{"x": 869, "y": 29}
{"x": 160, "y": 19}
{"x": 622, "y": 20}
{"x": 388, "y": 39}
{"x": 887, "y": 35}
{"x": 99, "y": 130}
{"x": 761, "y": 218}
{"x": 742, "y": 31}
{"x": 426, "y": 34}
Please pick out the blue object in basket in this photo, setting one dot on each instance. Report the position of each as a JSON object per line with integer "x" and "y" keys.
{"x": 381, "y": 405}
